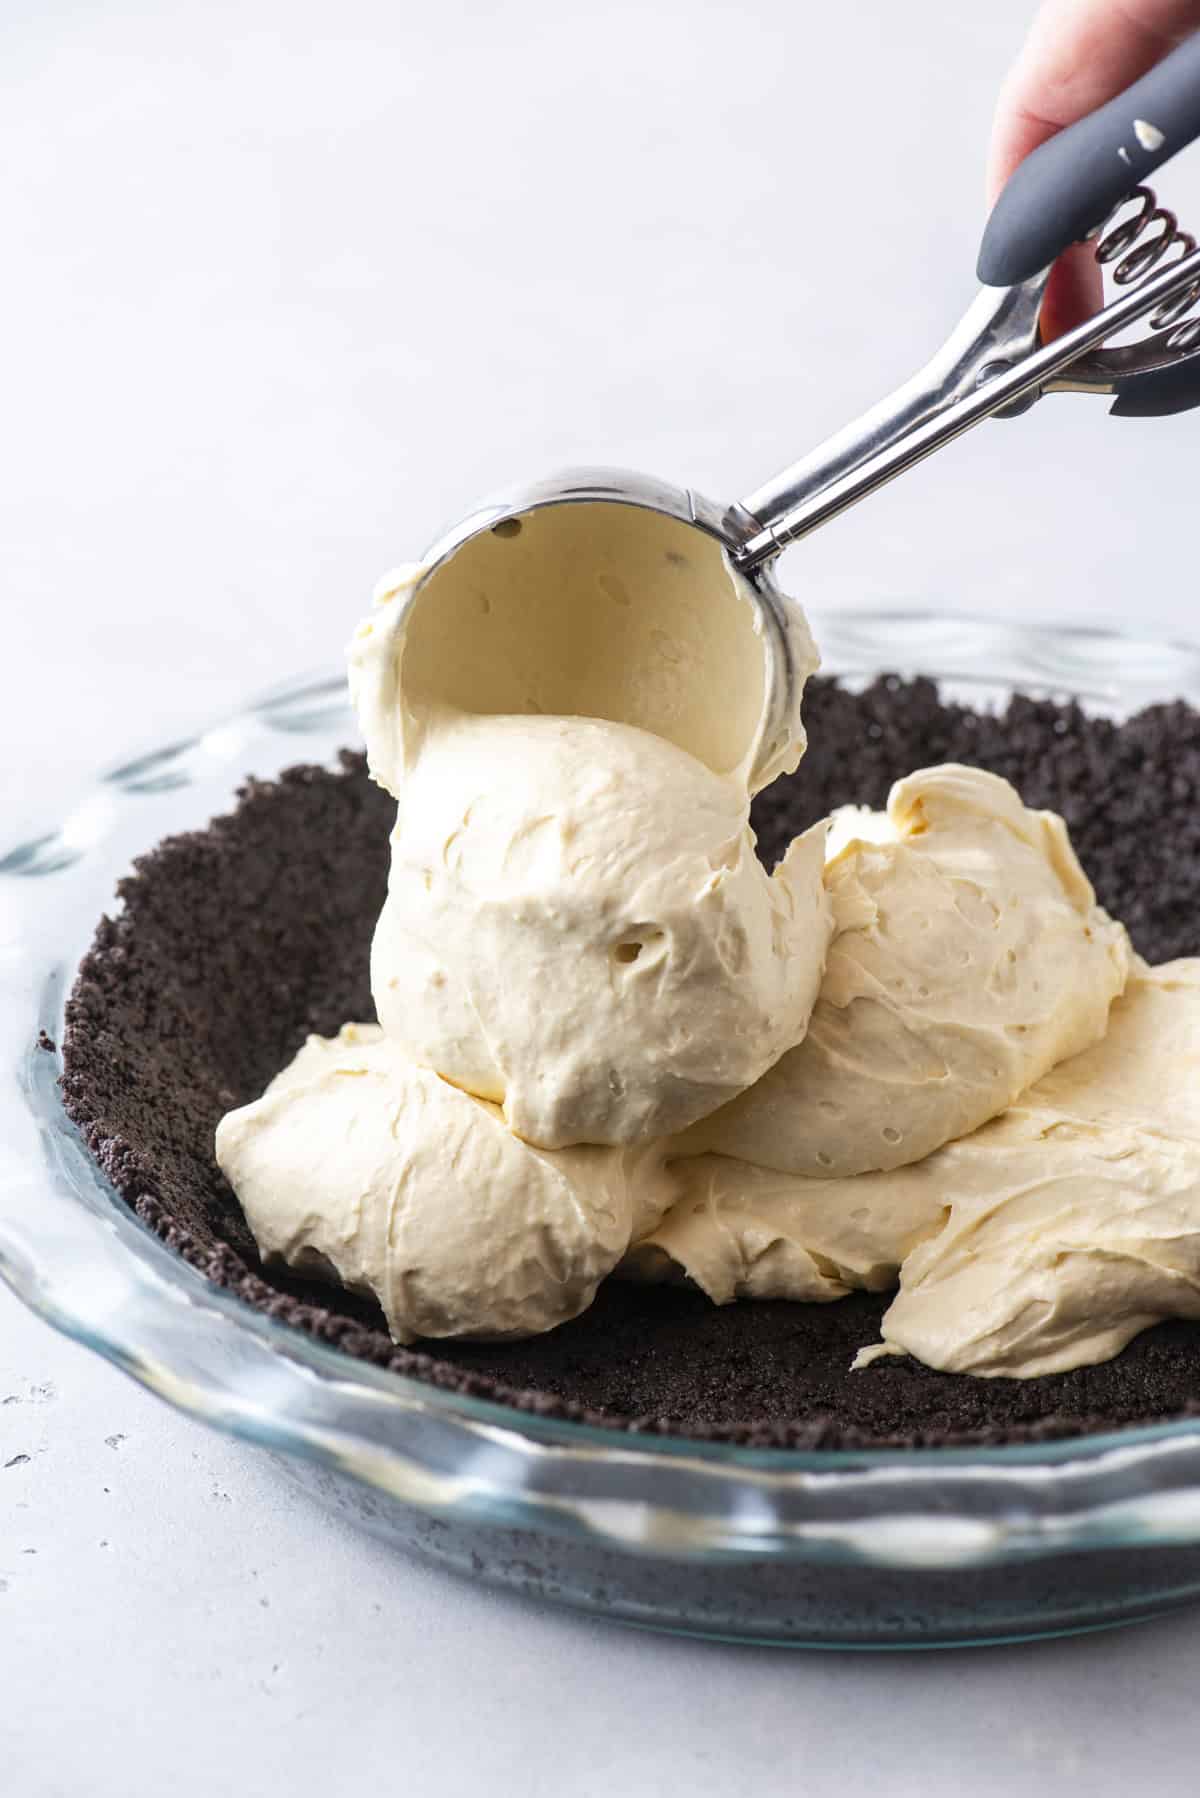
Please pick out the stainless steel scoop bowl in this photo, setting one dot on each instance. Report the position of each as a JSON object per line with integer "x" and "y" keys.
{"x": 604, "y": 593}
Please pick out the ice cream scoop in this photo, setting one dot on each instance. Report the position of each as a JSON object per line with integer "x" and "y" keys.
{"x": 588, "y": 604}
{"x": 474, "y": 608}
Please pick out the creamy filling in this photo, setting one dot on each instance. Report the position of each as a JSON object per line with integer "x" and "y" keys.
{"x": 357, "y": 1165}
{"x": 609, "y": 1041}
{"x": 969, "y": 958}
{"x": 1043, "y": 1241}
{"x": 1074, "y": 1219}
{"x": 580, "y": 953}
{"x": 577, "y": 928}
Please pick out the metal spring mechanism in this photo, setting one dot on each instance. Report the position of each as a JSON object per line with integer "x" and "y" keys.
{"x": 1138, "y": 245}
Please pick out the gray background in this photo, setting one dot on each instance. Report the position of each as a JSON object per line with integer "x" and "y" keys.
{"x": 286, "y": 286}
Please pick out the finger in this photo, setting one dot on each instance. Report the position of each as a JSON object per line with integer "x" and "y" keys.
{"x": 1078, "y": 55}
{"x": 1075, "y": 290}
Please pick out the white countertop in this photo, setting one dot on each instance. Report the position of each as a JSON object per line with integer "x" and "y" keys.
{"x": 286, "y": 286}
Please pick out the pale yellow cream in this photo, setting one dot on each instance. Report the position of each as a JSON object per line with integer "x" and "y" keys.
{"x": 1045, "y": 1240}
{"x": 1074, "y": 1220}
{"x": 577, "y": 927}
{"x": 745, "y": 1232}
{"x": 357, "y": 1166}
{"x": 969, "y": 957}
{"x": 609, "y": 1038}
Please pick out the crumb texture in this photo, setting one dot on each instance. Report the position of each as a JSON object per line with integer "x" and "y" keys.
{"x": 233, "y": 943}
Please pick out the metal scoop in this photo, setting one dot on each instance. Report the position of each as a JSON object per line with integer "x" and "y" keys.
{"x": 994, "y": 364}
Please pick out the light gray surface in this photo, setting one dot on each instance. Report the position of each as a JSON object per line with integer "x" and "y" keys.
{"x": 286, "y": 286}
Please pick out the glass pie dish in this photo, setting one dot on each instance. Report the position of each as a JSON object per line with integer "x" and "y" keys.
{"x": 834, "y": 1548}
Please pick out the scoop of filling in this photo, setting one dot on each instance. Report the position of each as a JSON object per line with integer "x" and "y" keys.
{"x": 358, "y": 1165}
{"x": 1043, "y": 1241}
{"x": 969, "y": 957}
{"x": 577, "y": 928}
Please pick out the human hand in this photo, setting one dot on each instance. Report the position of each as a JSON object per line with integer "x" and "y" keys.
{"x": 1079, "y": 54}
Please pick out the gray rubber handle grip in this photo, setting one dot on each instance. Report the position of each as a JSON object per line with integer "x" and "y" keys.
{"x": 1071, "y": 183}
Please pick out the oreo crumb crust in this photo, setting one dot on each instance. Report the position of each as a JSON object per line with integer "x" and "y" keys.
{"x": 236, "y": 941}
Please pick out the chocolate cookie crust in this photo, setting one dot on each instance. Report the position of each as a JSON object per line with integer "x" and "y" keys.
{"x": 236, "y": 941}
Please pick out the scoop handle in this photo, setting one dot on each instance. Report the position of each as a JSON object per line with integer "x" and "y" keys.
{"x": 1074, "y": 181}
{"x": 1159, "y": 393}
